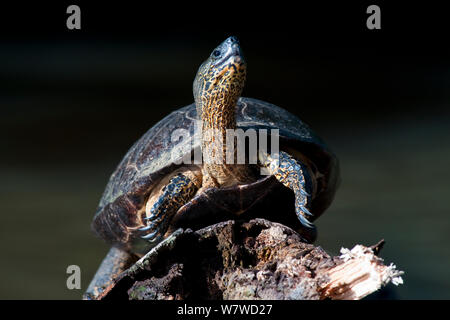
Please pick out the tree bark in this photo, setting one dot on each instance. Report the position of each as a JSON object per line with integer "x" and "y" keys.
{"x": 258, "y": 259}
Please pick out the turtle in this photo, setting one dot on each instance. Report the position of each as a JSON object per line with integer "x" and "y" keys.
{"x": 152, "y": 192}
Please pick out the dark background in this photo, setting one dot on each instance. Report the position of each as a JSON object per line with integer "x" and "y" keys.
{"x": 73, "y": 102}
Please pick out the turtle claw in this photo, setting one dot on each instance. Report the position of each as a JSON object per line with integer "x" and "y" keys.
{"x": 306, "y": 211}
{"x": 146, "y": 228}
{"x": 302, "y": 214}
{"x": 155, "y": 220}
{"x": 151, "y": 236}
{"x": 156, "y": 231}
{"x": 151, "y": 218}
{"x": 155, "y": 228}
{"x": 305, "y": 222}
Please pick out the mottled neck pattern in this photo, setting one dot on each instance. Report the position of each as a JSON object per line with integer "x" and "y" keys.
{"x": 217, "y": 88}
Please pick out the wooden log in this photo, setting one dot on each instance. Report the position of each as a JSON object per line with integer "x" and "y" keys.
{"x": 257, "y": 259}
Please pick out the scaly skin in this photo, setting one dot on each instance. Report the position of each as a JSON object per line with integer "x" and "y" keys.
{"x": 180, "y": 189}
{"x": 217, "y": 87}
{"x": 296, "y": 176}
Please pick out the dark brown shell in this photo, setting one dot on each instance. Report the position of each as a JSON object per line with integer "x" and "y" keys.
{"x": 149, "y": 159}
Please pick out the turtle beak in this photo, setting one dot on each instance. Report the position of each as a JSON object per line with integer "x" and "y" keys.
{"x": 231, "y": 41}
{"x": 234, "y": 50}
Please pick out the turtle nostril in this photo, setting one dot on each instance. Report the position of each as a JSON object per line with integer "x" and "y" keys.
{"x": 233, "y": 39}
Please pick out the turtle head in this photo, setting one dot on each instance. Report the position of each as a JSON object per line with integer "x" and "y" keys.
{"x": 220, "y": 79}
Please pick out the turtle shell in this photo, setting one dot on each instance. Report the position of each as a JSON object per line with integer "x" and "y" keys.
{"x": 152, "y": 157}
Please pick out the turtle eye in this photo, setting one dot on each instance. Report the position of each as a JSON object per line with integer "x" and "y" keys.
{"x": 216, "y": 53}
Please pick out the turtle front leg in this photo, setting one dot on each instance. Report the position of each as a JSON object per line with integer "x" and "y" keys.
{"x": 170, "y": 195}
{"x": 294, "y": 175}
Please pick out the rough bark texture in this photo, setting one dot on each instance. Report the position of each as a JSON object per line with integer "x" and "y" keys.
{"x": 258, "y": 259}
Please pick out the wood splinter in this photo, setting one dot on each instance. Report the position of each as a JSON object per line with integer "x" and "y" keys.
{"x": 360, "y": 274}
